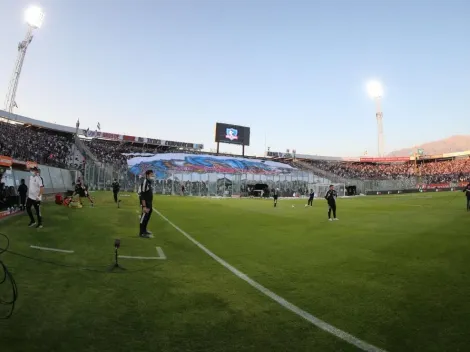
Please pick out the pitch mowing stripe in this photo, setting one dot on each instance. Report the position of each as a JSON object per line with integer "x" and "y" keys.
{"x": 286, "y": 304}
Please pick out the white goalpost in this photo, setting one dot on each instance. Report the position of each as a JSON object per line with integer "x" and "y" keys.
{"x": 320, "y": 189}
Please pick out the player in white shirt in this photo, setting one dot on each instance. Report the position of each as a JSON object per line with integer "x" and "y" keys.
{"x": 35, "y": 191}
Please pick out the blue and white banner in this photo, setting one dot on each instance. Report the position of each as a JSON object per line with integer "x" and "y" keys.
{"x": 164, "y": 165}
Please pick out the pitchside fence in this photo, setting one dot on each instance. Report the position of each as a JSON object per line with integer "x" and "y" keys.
{"x": 100, "y": 176}
{"x": 55, "y": 180}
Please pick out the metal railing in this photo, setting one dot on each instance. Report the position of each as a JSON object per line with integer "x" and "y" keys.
{"x": 100, "y": 177}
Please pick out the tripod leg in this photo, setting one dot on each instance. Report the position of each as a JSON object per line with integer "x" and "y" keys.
{"x": 115, "y": 265}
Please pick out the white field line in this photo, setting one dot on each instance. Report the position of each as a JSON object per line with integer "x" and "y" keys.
{"x": 161, "y": 256}
{"x": 160, "y": 253}
{"x": 51, "y": 249}
{"x": 364, "y": 346}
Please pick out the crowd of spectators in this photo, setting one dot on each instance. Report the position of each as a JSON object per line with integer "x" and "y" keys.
{"x": 432, "y": 171}
{"x": 110, "y": 152}
{"x": 27, "y": 143}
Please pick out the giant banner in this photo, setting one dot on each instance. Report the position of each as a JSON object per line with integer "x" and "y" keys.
{"x": 164, "y": 165}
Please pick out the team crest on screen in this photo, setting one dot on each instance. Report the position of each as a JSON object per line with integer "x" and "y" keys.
{"x": 231, "y": 133}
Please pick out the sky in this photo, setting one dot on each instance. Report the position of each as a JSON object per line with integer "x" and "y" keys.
{"x": 294, "y": 71}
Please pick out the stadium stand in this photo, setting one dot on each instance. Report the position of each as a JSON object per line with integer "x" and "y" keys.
{"x": 434, "y": 171}
{"x": 111, "y": 151}
{"x": 29, "y": 143}
{"x": 59, "y": 146}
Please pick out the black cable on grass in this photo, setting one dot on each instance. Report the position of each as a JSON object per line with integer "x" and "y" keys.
{"x": 7, "y": 279}
{"x": 85, "y": 268}
{"x": 70, "y": 266}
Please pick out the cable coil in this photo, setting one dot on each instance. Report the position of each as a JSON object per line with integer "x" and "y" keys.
{"x": 6, "y": 278}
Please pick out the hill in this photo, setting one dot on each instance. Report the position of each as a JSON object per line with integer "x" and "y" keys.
{"x": 448, "y": 145}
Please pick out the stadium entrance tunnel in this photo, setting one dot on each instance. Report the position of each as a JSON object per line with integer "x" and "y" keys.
{"x": 260, "y": 190}
{"x": 351, "y": 190}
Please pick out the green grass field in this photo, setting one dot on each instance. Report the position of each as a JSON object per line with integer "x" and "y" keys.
{"x": 393, "y": 272}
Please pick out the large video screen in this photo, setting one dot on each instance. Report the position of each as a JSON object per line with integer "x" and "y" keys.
{"x": 232, "y": 134}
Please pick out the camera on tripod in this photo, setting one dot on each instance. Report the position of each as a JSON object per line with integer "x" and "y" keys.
{"x": 115, "y": 265}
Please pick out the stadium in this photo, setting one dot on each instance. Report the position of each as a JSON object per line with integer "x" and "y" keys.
{"x": 225, "y": 270}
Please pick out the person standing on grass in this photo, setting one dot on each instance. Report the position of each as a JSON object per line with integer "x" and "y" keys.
{"x": 331, "y": 199}
{"x": 116, "y": 187}
{"x": 35, "y": 191}
{"x": 146, "y": 198}
{"x": 467, "y": 193}
{"x": 275, "y": 196}
{"x": 310, "y": 198}
{"x": 23, "y": 192}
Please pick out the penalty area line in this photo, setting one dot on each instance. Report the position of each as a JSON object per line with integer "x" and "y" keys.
{"x": 51, "y": 249}
{"x": 364, "y": 346}
{"x": 161, "y": 256}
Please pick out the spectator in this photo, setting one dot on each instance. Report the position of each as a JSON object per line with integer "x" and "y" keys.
{"x": 29, "y": 144}
{"x": 431, "y": 172}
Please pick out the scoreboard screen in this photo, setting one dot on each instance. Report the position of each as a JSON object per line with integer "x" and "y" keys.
{"x": 232, "y": 134}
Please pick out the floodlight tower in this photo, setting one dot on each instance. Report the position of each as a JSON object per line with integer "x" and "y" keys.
{"x": 375, "y": 91}
{"x": 34, "y": 18}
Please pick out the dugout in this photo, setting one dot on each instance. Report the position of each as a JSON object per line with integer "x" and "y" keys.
{"x": 351, "y": 191}
{"x": 260, "y": 190}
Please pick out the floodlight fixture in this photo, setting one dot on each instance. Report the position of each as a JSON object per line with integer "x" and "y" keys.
{"x": 34, "y": 16}
{"x": 375, "y": 89}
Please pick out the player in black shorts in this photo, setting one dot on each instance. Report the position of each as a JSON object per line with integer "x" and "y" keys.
{"x": 275, "y": 196}
{"x": 331, "y": 199}
{"x": 116, "y": 187}
{"x": 310, "y": 198}
{"x": 146, "y": 198}
{"x": 82, "y": 191}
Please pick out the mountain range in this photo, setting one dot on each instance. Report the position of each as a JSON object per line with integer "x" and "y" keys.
{"x": 452, "y": 144}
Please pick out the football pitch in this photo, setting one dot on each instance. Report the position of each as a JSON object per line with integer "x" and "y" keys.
{"x": 240, "y": 275}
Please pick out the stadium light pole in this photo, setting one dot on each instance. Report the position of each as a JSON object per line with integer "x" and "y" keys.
{"x": 34, "y": 17}
{"x": 375, "y": 90}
